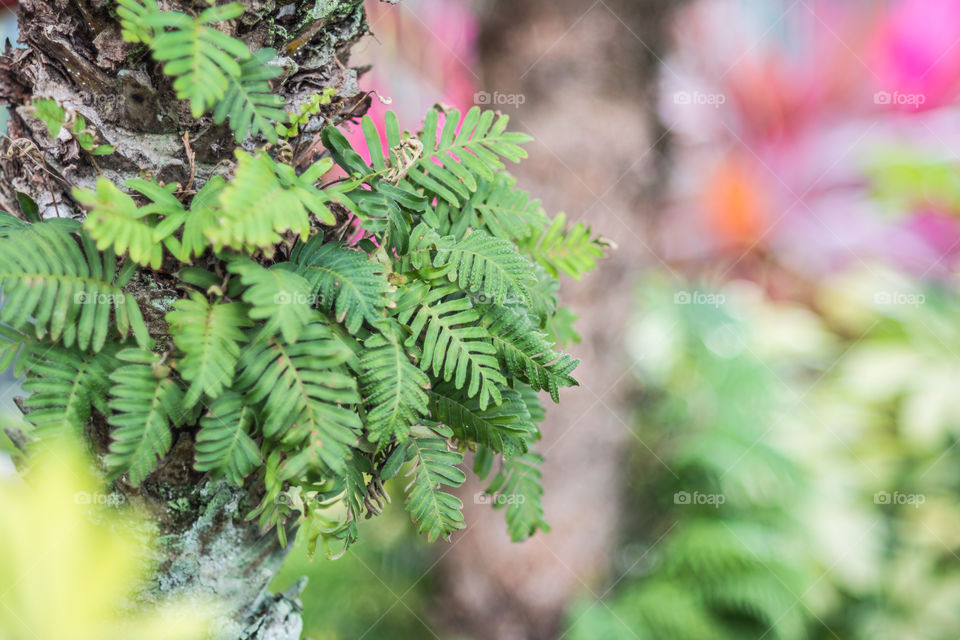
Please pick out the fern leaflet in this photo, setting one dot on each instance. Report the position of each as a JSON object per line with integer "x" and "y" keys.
{"x": 209, "y": 335}
{"x": 249, "y": 102}
{"x": 145, "y": 404}
{"x": 437, "y": 513}
{"x": 224, "y": 445}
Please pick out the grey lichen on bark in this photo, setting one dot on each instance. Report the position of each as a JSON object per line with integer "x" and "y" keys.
{"x": 72, "y": 51}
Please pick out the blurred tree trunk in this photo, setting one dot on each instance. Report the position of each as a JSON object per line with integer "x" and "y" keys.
{"x": 586, "y": 71}
{"x": 73, "y": 52}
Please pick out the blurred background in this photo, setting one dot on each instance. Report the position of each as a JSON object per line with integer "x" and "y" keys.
{"x": 763, "y": 445}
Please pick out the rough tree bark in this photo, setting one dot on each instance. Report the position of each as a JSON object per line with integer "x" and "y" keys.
{"x": 72, "y": 51}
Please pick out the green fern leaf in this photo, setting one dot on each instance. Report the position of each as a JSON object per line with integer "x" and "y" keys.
{"x": 203, "y": 215}
{"x": 14, "y": 349}
{"x": 249, "y": 102}
{"x": 65, "y": 385}
{"x": 506, "y": 428}
{"x": 527, "y": 353}
{"x": 569, "y": 250}
{"x": 145, "y": 404}
{"x": 201, "y": 58}
{"x": 453, "y": 344}
{"x": 209, "y": 335}
{"x": 275, "y": 295}
{"x": 436, "y": 513}
{"x": 66, "y": 288}
{"x": 496, "y": 207}
{"x": 393, "y": 387}
{"x": 518, "y": 486}
{"x": 307, "y": 398}
{"x": 349, "y": 285}
{"x": 115, "y": 221}
{"x": 479, "y": 264}
{"x": 224, "y": 445}
{"x": 266, "y": 199}
{"x": 133, "y": 16}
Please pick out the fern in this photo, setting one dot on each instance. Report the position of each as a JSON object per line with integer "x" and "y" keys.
{"x": 203, "y": 215}
{"x": 65, "y": 385}
{"x": 506, "y": 428}
{"x": 479, "y": 263}
{"x": 304, "y": 394}
{"x": 527, "y": 353}
{"x": 454, "y": 345}
{"x": 201, "y": 58}
{"x": 266, "y": 199}
{"x": 348, "y": 284}
{"x": 224, "y": 443}
{"x": 496, "y": 207}
{"x": 115, "y": 221}
{"x": 209, "y": 336}
{"x": 145, "y": 404}
{"x": 249, "y": 103}
{"x": 436, "y": 513}
{"x": 519, "y": 487}
{"x": 393, "y": 388}
{"x": 67, "y": 289}
{"x": 278, "y": 297}
{"x": 569, "y": 250}
{"x": 134, "y": 16}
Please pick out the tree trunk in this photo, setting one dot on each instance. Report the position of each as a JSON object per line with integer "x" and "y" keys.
{"x": 73, "y": 52}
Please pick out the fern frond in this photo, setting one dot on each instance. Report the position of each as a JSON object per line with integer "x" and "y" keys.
{"x": 349, "y": 285}
{"x": 203, "y": 215}
{"x": 479, "y": 263}
{"x": 65, "y": 384}
{"x": 527, "y": 353}
{"x": 209, "y": 335}
{"x": 393, "y": 387}
{"x": 497, "y": 207}
{"x": 201, "y": 58}
{"x": 249, "y": 102}
{"x": 454, "y": 345}
{"x": 277, "y": 296}
{"x": 266, "y": 199}
{"x": 306, "y": 398}
{"x": 444, "y": 164}
{"x": 133, "y": 16}
{"x": 506, "y": 428}
{"x": 68, "y": 291}
{"x": 115, "y": 221}
{"x": 436, "y": 513}
{"x": 518, "y": 485}
{"x": 224, "y": 445}
{"x": 146, "y": 403}
{"x": 570, "y": 250}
